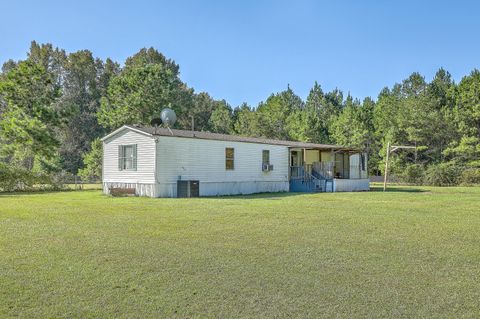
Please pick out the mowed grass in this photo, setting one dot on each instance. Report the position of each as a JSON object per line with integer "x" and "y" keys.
{"x": 410, "y": 252}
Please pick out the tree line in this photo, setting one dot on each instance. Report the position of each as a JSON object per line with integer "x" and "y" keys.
{"x": 55, "y": 105}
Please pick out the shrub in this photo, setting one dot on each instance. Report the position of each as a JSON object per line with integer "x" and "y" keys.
{"x": 14, "y": 178}
{"x": 413, "y": 174}
{"x": 93, "y": 162}
{"x": 444, "y": 174}
{"x": 56, "y": 181}
{"x": 470, "y": 176}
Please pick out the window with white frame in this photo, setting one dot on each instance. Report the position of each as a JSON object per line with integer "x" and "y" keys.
{"x": 127, "y": 157}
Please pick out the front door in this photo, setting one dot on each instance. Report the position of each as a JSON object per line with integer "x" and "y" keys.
{"x": 295, "y": 158}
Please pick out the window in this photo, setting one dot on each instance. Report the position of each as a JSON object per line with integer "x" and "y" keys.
{"x": 362, "y": 161}
{"x": 266, "y": 166}
{"x": 266, "y": 157}
{"x": 229, "y": 158}
{"x": 127, "y": 157}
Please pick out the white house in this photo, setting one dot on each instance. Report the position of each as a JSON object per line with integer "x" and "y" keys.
{"x": 159, "y": 162}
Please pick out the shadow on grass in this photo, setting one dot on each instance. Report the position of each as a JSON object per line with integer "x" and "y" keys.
{"x": 264, "y": 196}
{"x": 397, "y": 189}
{"x": 272, "y": 196}
{"x": 46, "y": 191}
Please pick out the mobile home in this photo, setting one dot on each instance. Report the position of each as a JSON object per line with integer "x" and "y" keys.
{"x": 160, "y": 162}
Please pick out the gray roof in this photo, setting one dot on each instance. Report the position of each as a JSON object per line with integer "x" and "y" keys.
{"x": 234, "y": 138}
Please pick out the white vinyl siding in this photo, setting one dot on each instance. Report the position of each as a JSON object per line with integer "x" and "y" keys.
{"x": 204, "y": 160}
{"x": 145, "y": 158}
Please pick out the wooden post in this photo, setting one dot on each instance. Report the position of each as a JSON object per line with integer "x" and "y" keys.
{"x": 333, "y": 161}
{"x": 289, "y": 164}
{"x": 415, "y": 152}
{"x": 304, "y": 164}
{"x": 386, "y": 168}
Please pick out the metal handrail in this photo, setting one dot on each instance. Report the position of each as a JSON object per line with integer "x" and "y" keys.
{"x": 325, "y": 169}
{"x": 302, "y": 174}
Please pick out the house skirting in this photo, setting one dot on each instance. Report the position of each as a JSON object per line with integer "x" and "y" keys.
{"x": 208, "y": 188}
{"x": 351, "y": 185}
{"x": 141, "y": 189}
{"x": 231, "y": 188}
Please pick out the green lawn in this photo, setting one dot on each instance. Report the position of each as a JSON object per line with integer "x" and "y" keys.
{"x": 410, "y": 252}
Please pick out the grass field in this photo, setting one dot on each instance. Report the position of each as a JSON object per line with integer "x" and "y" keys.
{"x": 410, "y": 252}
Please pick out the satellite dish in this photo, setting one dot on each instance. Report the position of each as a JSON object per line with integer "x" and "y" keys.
{"x": 168, "y": 117}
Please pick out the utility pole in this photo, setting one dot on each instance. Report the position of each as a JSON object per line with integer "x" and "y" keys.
{"x": 392, "y": 149}
{"x": 385, "y": 177}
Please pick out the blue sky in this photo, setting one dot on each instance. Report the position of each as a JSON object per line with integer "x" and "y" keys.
{"x": 245, "y": 50}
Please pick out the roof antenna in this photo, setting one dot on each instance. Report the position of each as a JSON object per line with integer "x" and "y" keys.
{"x": 168, "y": 117}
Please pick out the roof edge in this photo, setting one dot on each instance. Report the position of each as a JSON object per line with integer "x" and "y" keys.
{"x": 123, "y": 127}
{"x": 148, "y": 131}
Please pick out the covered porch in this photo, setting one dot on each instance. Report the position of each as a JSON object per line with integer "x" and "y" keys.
{"x": 327, "y": 170}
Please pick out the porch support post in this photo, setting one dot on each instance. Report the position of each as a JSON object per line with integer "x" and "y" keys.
{"x": 359, "y": 165}
{"x": 304, "y": 164}
{"x": 289, "y": 164}
{"x": 334, "y": 164}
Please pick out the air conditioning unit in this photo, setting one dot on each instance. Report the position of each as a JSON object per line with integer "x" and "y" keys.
{"x": 267, "y": 167}
{"x": 188, "y": 188}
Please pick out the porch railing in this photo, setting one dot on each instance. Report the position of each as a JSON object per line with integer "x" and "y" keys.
{"x": 326, "y": 170}
{"x": 297, "y": 172}
{"x": 301, "y": 179}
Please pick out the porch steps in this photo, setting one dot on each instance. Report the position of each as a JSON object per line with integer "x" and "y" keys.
{"x": 309, "y": 182}
{"x": 311, "y": 186}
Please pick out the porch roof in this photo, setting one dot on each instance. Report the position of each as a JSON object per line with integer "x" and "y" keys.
{"x": 234, "y": 138}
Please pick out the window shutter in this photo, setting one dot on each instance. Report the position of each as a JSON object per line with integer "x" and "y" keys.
{"x": 135, "y": 157}
{"x": 120, "y": 157}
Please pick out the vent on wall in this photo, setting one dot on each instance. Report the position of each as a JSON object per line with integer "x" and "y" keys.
{"x": 188, "y": 189}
